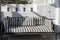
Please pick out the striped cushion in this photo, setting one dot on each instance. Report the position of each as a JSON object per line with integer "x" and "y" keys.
{"x": 24, "y": 21}
{"x": 30, "y": 29}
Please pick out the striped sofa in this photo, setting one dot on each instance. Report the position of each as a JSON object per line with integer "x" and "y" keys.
{"x": 27, "y": 25}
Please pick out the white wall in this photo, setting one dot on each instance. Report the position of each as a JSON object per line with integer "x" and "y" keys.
{"x": 20, "y": 7}
{"x": 46, "y": 10}
{"x": 20, "y": 11}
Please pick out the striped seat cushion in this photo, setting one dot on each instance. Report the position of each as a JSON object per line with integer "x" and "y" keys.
{"x": 29, "y": 29}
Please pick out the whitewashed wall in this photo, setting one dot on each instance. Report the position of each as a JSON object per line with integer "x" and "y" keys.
{"x": 20, "y": 11}
{"x": 46, "y": 10}
{"x": 40, "y": 9}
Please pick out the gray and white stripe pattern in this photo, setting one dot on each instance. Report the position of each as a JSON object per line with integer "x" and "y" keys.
{"x": 27, "y": 24}
{"x": 30, "y": 29}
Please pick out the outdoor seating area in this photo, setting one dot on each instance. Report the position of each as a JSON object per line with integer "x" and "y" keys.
{"x": 27, "y": 25}
{"x": 29, "y": 20}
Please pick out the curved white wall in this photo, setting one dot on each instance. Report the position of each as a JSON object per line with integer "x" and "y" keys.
{"x": 44, "y": 10}
{"x": 19, "y": 6}
{"x": 20, "y": 12}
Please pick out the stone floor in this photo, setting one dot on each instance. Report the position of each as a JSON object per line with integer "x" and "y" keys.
{"x": 29, "y": 37}
{"x": 58, "y": 36}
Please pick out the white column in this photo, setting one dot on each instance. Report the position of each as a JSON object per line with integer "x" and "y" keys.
{"x": 56, "y": 16}
{"x": 57, "y": 12}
